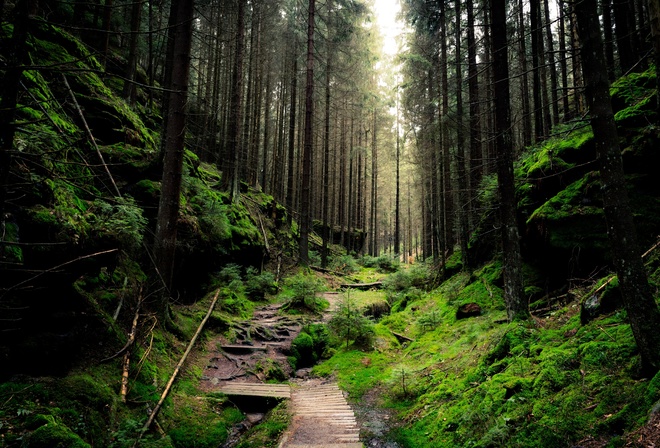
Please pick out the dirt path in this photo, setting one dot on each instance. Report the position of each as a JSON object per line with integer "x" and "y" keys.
{"x": 258, "y": 352}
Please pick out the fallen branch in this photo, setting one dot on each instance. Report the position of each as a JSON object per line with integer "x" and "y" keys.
{"x": 55, "y": 268}
{"x": 91, "y": 136}
{"x": 363, "y": 286}
{"x": 127, "y": 356}
{"x": 153, "y": 414}
{"x": 609, "y": 280}
{"x": 402, "y": 338}
{"x": 131, "y": 335}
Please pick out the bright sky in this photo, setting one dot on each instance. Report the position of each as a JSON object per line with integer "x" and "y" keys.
{"x": 386, "y": 12}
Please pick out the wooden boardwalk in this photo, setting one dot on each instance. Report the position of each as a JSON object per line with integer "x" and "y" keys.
{"x": 321, "y": 419}
{"x": 256, "y": 390}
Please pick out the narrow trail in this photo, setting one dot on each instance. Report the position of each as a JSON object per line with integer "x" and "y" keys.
{"x": 321, "y": 416}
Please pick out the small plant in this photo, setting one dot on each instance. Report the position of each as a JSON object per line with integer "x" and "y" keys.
{"x": 301, "y": 292}
{"x": 257, "y": 285}
{"x": 122, "y": 221}
{"x": 349, "y": 324}
{"x": 403, "y": 381}
{"x": 386, "y": 263}
{"x": 310, "y": 345}
{"x": 230, "y": 273}
{"x": 344, "y": 264}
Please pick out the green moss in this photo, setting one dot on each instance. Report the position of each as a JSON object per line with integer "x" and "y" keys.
{"x": 267, "y": 433}
{"x": 579, "y": 198}
{"x": 54, "y": 435}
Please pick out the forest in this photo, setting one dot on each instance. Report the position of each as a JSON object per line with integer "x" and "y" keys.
{"x": 283, "y": 223}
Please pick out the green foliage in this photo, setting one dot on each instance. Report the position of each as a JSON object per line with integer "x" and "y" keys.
{"x": 345, "y": 264}
{"x": 122, "y": 221}
{"x": 54, "y": 435}
{"x": 267, "y": 433}
{"x": 301, "y": 293}
{"x": 257, "y": 284}
{"x": 310, "y": 345}
{"x": 349, "y": 324}
{"x": 9, "y": 252}
{"x": 387, "y": 264}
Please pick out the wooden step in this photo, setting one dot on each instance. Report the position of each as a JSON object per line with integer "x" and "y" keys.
{"x": 257, "y": 390}
{"x": 243, "y": 348}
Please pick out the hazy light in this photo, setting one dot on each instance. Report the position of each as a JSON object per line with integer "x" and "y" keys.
{"x": 390, "y": 27}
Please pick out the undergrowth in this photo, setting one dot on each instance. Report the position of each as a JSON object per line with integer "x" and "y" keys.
{"x": 482, "y": 382}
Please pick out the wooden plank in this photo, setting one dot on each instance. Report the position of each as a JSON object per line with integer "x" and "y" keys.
{"x": 244, "y": 348}
{"x": 363, "y": 286}
{"x": 257, "y": 390}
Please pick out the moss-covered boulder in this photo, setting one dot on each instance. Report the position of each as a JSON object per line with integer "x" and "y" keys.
{"x": 54, "y": 435}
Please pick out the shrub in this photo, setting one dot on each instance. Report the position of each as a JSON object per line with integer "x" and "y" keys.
{"x": 301, "y": 293}
{"x": 349, "y": 324}
{"x": 398, "y": 281}
{"x": 368, "y": 261}
{"x": 387, "y": 264}
{"x": 257, "y": 285}
{"x": 230, "y": 273}
{"x": 344, "y": 264}
{"x": 310, "y": 345}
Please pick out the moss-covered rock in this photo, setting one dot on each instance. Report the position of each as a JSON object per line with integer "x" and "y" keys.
{"x": 54, "y": 435}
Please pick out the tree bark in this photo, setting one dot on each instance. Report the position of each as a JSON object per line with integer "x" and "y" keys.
{"x": 512, "y": 263}
{"x": 636, "y": 293}
{"x": 462, "y": 203}
{"x": 231, "y": 175}
{"x": 654, "y": 19}
{"x": 131, "y": 66}
{"x": 305, "y": 217}
{"x": 17, "y": 54}
{"x": 168, "y": 209}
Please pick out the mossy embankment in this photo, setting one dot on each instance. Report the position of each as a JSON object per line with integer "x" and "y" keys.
{"x": 82, "y": 196}
{"x": 480, "y": 381}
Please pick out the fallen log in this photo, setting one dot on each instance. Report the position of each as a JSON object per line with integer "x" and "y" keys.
{"x": 168, "y": 387}
{"x": 402, "y": 338}
{"x": 363, "y": 286}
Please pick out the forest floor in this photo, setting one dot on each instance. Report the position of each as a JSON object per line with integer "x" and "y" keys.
{"x": 242, "y": 365}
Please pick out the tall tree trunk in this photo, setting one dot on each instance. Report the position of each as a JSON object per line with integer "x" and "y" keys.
{"x": 292, "y": 131}
{"x": 305, "y": 198}
{"x": 326, "y": 150}
{"x": 624, "y": 43}
{"x": 107, "y": 16}
{"x": 636, "y": 293}
{"x": 563, "y": 64}
{"x": 551, "y": 63}
{"x": 374, "y": 188}
{"x": 264, "y": 154}
{"x": 537, "y": 50}
{"x": 397, "y": 192}
{"x": 524, "y": 78}
{"x": 654, "y": 19}
{"x": 448, "y": 195}
{"x": 462, "y": 204}
{"x": 609, "y": 37}
{"x": 16, "y": 57}
{"x": 512, "y": 262}
{"x": 168, "y": 208}
{"x": 131, "y": 66}
{"x": 231, "y": 176}
{"x": 476, "y": 157}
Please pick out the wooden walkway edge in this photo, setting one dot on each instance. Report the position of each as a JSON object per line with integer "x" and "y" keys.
{"x": 256, "y": 390}
{"x": 321, "y": 419}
